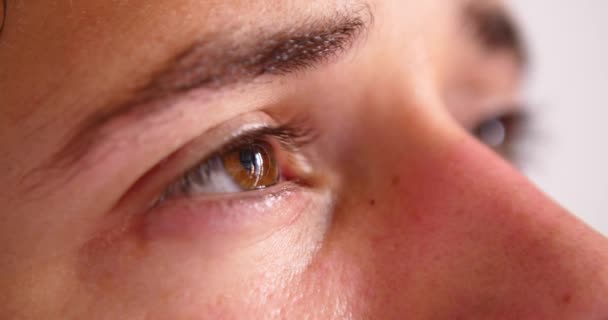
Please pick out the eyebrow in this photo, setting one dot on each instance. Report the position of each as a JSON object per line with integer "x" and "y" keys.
{"x": 219, "y": 61}
{"x": 495, "y": 29}
{"x": 209, "y": 64}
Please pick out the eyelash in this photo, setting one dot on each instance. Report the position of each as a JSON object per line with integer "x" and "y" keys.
{"x": 291, "y": 137}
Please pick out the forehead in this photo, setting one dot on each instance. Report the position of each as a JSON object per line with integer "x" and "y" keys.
{"x": 79, "y": 58}
{"x": 48, "y": 38}
{"x": 65, "y": 42}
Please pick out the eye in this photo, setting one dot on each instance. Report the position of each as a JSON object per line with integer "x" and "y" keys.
{"x": 252, "y": 161}
{"x": 504, "y": 133}
{"x": 244, "y": 166}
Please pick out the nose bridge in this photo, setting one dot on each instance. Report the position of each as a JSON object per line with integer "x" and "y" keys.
{"x": 429, "y": 165}
{"x": 446, "y": 213}
{"x": 431, "y": 168}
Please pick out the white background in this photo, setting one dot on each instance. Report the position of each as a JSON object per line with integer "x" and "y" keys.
{"x": 568, "y": 92}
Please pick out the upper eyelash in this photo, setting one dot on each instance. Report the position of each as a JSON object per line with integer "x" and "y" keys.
{"x": 292, "y": 135}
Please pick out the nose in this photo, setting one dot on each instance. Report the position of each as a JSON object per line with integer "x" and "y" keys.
{"x": 452, "y": 231}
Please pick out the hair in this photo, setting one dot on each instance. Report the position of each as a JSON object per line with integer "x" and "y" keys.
{"x": 3, "y": 17}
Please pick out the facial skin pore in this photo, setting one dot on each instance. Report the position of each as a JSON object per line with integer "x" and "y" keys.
{"x": 389, "y": 209}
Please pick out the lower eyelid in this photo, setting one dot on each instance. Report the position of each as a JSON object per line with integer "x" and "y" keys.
{"x": 249, "y": 216}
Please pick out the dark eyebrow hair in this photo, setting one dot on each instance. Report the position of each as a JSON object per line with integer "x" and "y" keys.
{"x": 495, "y": 29}
{"x": 219, "y": 61}
{"x": 3, "y": 16}
{"x": 210, "y": 65}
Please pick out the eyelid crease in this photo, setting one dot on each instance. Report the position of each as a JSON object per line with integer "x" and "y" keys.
{"x": 292, "y": 135}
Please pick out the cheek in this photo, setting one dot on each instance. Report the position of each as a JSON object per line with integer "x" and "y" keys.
{"x": 450, "y": 227}
{"x": 466, "y": 186}
{"x": 453, "y": 203}
{"x": 180, "y": 273}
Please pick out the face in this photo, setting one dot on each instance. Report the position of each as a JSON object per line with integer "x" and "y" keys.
{"x": 275, "y": 159}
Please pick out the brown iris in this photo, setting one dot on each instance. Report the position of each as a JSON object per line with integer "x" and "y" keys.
{"x": 252, "y": 166}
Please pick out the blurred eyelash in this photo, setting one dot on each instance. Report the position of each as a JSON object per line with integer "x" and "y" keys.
{"x": 292, "y": 135}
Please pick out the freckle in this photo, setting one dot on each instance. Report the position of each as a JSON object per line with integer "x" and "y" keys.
{"x": 372, "y": 202}
{"x": 396, "y": 180}
{"x": 567, "y": 298}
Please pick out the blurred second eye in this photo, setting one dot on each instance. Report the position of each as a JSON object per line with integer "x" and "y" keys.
{"x": 504, "y": 133}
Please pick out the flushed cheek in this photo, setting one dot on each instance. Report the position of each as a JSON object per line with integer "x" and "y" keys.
{"x": 221, "y": 224}
{"x": 463, "y": 229}
{"x": 466, "y": 186}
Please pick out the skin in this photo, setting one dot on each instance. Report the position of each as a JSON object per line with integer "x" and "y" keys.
{"x": 407, "y": 215}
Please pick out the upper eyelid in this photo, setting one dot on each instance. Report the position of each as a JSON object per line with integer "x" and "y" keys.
{"x": 289, "y": 135}
{"x": 220, "y": 136}
{"x": 147, "y": 185}
{"x": 292, "y": 134}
